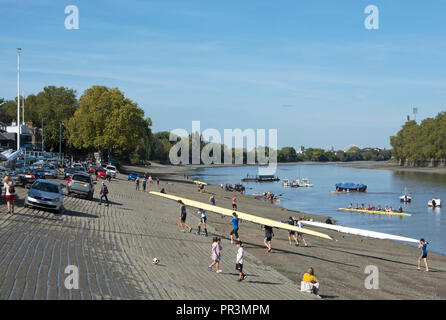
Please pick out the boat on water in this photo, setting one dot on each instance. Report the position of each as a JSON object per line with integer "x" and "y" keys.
{"x": 350, "y": 187}
{"x": 376, "y": 212}
{"x": 434, "y": 203}
{"x": 405, "y": 197}
{"x": 261, "y": 178}
{"x": 286, "y": 183}
{"x": 304, "y": 182}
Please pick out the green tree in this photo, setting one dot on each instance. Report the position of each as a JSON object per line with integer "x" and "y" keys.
{"x": 105, "y": 120}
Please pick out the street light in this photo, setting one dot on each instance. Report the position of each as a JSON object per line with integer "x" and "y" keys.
{"x": 60, "y": 138}
{"x": 43, "y": 143}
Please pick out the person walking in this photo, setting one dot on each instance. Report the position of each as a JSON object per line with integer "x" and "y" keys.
{"x": 299, "y": 234}
{"x": 240, "y": 260}
{"x": 10, "y": 194}
{"x": 235, "y": 227}
{"x": 202, "y": 222}
{"x": 212, "y": 200}
{"x": 269, "y": 234}
{"x": 157, "y": 180}
{"x": 104, "y": 193}
{"x": 423, "y": 255}
{"x": 216, "y": 254}
{"x": 144, "y": 183}
{"x": 234, "y": 203}
{"x": 150, "y": 180}
{"x": 183, "y": 215}
{"x": 292, "y": 222}
{"x": 137, "y": 183}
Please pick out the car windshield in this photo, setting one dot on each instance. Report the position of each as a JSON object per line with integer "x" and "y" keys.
{"x": 45, "y": 187}
{"x": 101, "y": 170}
{"x": 81, "y": 178}
{"x": 111, "y": 168}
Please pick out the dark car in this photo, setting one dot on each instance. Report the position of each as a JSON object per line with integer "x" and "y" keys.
{"x": 68, "y": 172}
{"x": 81, "y": 184}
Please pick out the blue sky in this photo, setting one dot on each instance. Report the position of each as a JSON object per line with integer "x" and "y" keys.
{"x": 307, "y": 68}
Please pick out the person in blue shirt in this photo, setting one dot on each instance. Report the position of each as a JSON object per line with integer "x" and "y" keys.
{"x": 234, "y": 231}
{"x": 423, "y": 255}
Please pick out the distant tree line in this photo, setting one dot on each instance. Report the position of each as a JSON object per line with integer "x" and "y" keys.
{"x": 161, "y": 146}
{"x": 421, "y": 144}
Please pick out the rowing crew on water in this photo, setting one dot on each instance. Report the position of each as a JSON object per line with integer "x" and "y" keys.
{"x": 372, "y": 208}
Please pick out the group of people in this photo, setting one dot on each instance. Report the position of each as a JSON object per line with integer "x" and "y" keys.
{"x": 269, "y": 196}
{"x": 234, "y": 236}
{"x": 146, "y": 179}
{"x": 373, "y": 208}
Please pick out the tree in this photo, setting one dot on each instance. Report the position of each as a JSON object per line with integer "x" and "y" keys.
{"x": 54, "y": 105}
{"x": 105, "y": 120}
{"x": 287, "y": 154}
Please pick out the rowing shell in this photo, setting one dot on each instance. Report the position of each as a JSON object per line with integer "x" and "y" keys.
{"x": 377, "y": 212}
{"x": 199, "y": 182}
{"x": 244, "y": 216}
{"x": 359, "y": 232}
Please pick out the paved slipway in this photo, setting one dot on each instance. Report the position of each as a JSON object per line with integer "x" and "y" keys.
{"x": 113, "y": 248}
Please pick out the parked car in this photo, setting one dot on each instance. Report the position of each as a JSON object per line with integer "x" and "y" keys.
{"x": 132, "y": 176}
{"x": 92, "y": 167}
{"x": 78, "y": 166}
{"x": 50, "y": 171}
{"x": 81, "y": 184}
{"x": 68, "y": 172}
{"x": 102, "y": 173}
{"x": 112, "y": 170}
{"x": 45, "y": 194}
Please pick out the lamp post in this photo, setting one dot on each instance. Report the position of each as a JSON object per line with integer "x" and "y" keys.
{"x": 60, "y": 140}
{"x": 18, "y": 98}
{"x": 43, "y": 143}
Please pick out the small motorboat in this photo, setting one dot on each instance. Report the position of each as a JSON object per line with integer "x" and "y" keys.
{"x": 434, "y": 203}
{"x": 286, "y": 183}
{"x": 406, "y": 198}
{"x": 305, "y": 182}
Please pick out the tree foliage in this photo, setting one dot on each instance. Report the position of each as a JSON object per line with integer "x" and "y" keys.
{"x": 105, "y": 120}
{"x": 420, "y": 143}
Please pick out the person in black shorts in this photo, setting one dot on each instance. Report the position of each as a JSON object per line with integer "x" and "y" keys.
{"x": 268, "y": 237}
{"x": 183, "y": 215}
{"x": 291, "y": 222}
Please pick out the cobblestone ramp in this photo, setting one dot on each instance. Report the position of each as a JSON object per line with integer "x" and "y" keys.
{"x": 113, "y": 248}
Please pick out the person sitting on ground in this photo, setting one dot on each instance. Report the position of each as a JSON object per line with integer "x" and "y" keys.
{"x": 372, "y": 208}
{"x": 350, "y": 206}
{"x": 387, "y": 209}
{"x": 310, "y": 283}
{"x": 356, "y": 206}
{"x": 368, "y": 207}
{"x": 400, "y": 210}
{"x": 380, "y": 208}
{"x": 362, "y": 206}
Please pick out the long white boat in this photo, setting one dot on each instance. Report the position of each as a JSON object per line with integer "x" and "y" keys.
{"x": 358, "y": 232}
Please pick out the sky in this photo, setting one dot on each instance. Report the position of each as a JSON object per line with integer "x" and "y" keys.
{"x": 310, "y": 69}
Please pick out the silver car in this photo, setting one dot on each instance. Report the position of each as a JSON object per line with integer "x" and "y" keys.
{"x": 112, "y": 170}
{"x": 45, "y": 194}
{"x": 81, "y": 184}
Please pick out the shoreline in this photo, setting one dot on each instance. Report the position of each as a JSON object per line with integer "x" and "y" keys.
{"x": 338, "y": 264}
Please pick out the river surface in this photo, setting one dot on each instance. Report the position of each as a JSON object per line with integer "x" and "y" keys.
{"x": 384, "y": 187}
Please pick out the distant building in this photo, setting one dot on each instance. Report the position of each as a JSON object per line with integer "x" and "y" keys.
{"x": 27, "y": 136}
{"x": 300, "y": 150}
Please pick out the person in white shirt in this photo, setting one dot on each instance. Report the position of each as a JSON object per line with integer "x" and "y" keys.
{"x": 10, "y": 194}
{"x": 300, "y": 225}
{"x": 240, "y": 260}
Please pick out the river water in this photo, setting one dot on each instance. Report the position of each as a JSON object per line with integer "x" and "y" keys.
{"x": 384, "y": 187}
